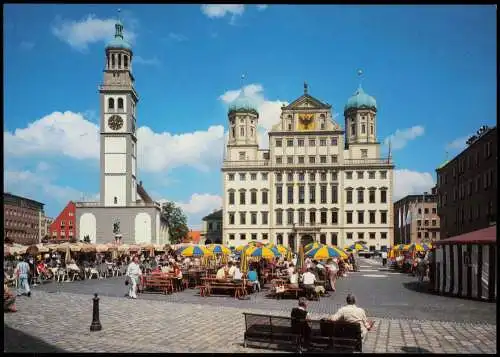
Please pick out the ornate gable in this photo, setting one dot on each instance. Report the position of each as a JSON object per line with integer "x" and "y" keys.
{"x": 307, "y": 102}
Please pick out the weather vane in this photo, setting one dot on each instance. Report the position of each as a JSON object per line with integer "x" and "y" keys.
{"x": 306, "y": 87}
{"x": 360, "y": 77}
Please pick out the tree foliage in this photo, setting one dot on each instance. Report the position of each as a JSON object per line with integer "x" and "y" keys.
{"x": 176, "y": 221}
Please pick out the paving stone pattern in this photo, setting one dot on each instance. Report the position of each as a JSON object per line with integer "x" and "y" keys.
{"x": 62, "y": 320}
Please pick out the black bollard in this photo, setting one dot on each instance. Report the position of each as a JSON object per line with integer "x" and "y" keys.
{"x": 96, "y": 324}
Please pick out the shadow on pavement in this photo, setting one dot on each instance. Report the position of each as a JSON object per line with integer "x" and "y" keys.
{"x": 415, "y": 349}
{"x": 419, "y": 287}
{"x": 17, "y": 341}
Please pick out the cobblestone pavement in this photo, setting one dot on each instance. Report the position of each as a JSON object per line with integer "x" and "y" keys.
{"x": 63, "y": 320}
{"x": 383, "y": 293}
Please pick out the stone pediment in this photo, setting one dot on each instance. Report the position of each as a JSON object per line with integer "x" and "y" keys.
{"x": 307, "y": 102}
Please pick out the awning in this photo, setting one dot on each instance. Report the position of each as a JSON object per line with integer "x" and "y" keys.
{"x": 481, "y": 236}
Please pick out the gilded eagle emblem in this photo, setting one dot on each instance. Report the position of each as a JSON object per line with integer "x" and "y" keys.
{"x": 306, "y": 121}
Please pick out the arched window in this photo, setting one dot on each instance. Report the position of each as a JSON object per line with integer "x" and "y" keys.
{"x": 233, "y": 131}
{"x": 107, "y": 61}
{"x": 125, "y": 62}
{"x": 119, "y": 61}
{"x": 363, "y": 128}
{"x": 120, "y": 103}
{"x": 111, "y": 103}
{"x": 371, "y": 129}
{"x": 112, "y": 61}
{"x": 116, "y": 200}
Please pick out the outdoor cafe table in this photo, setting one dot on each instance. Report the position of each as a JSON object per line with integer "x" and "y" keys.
{"x": 211, "y": 282}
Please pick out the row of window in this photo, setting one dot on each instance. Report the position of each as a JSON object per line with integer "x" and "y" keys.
{"x": 466, "y": 163}
{"x": 311, "y": 142}
{"x": 62, "y": 233}
{"x": 333, "y": 241}
{"x": 13, "y": 234}
{"x": 16, "y": 223}
{"x": 465, "y": 190}
{"x": 312, "y": 176}
{"x": 115, "y": 60}
{"x": 323, "y": 195}
{"x": 426, "y": 222}
{"x": 463, "y": 214}
{"x": 24, "y": 214}
{"x": 63, "y": 224}
{"x": 323, "y": 217}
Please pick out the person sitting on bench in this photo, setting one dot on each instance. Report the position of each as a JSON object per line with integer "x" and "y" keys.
{"x": 308, "y": 280}
{"x": 354, "y": 314}
{"x": 299, "y": 321}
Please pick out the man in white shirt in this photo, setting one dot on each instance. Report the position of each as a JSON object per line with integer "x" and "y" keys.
{"x": 237, "y": 275}
{"x": 133, "y": 273}
{"x": 384, "y": 258}
{"x": 232, "y": 267}
{"x": 308, "y": 280}
{"x": 354, "y": 314}
{"x": 294, "y": 279}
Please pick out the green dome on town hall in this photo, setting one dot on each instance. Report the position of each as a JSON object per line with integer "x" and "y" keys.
{"x": 118, "y": 42}
{"x": 243, "y": 104}
{"x": 361, "y": 100}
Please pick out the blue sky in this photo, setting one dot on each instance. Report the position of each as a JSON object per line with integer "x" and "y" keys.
{"x": 432, "y": 70}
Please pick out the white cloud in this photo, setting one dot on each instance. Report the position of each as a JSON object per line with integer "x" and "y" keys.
{"x": 26, "y": 45}
{"x": 401, "y": 137}
{"x": 146, "y": 61}
{"x": 39, "y": 186}
{"x": 177, "y": 37}
{"x": 89, "y": 30}
{"x": 269, "y": 110}
{"x": 68, "y": 133}
{"x": 407, "y": 182}
{"x": 262, "y": 7}
{"x": 72, "y": 135}
{"x": 198, "y": 206}
{"x": 219, "y": 11}
{"x": 42, "y": 166}
{"x": 458, "y": 144}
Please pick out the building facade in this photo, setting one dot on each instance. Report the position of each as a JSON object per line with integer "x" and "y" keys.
{"x": 23, "y": 219}
{"x": 212, "y": 228}
{"x": 316, "y": 182}
{"x": 64, "y": 226}
{"x": 416, "y": 219}
{"x": 467, "y": 186}
{"x": 46, "y": 222}
{"x": 125, "y": 211}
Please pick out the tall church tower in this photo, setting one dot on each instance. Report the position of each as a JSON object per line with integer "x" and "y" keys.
{"x": 242, "y": 142}
{"x": 118, "y": 125}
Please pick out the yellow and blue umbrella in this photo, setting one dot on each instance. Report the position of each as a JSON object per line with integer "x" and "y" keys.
{"x": 313, "y": 245}
{"x": 325, "y": 252}
{"x": 419, "y": 247}
{"x": 280, "y": 248}
{"x": 219, "y": 249}
{"x": 194, "y": 251}
{"x": 240, "y": 248}
{"x": 358, "y": 246}
{"x": 401, "y": 247}
{"x": 262, "y": 252}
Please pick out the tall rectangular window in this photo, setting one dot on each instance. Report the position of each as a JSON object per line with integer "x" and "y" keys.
{"x": 335, "y": 196}
{"x": 372, "y": 217}
{"x": 334, "y": 141}
{"x": 312, "y": 194}
{"x": 300, "y": 142}
{"x": 383, "y": 217}
{"x": 312, "y": 217}
{"x": 243, "y": 218}
{"x": 302, "y": 217}
{"x": 279, "y": 194}
{"x": 301, "y": 195}
{"x": 253, "y": 197}
{"x": 323, "y": 217}
{"x": 231, "y": 197}
{"x": 335, "y": 218}
{"x": 290, "y": 194}
{"x": 264, "y": 197}
{"x": 242, "y": 197}
{"x": 264, "y": 217}
{"x": 253, "y": 176}
{"x": 361, "y": 195}
{"x": 289, "y": 217}
{"x": 253, "y": 218}
{"x": 231, "y": 218}
{"x": 334, "y": 239}
{"x": 383, "y": 196}
{"x": 361, "y": 217}
{"x": 279, "y": 217}
{"x": 371, "y": 196}
{"x": 348, "y": 196}
{"x": 323, "y": 194}
{"x": 348, "y": 217}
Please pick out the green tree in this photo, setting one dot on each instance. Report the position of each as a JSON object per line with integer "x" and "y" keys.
{"x": 176, "y": 222}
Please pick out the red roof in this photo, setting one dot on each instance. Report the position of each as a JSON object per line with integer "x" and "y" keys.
{"x": 481, "y": 236}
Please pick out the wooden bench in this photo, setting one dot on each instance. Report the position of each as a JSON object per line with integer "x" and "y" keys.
{"x": 325, "y": 334}
{"x": 163, "y": 284}
{"x": 238, "y": 288}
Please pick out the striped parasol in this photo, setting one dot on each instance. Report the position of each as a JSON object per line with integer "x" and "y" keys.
{"x": 358, "y": 246}
{"x": 325, "y": 252}
{"x": 313, "y": 245}
{"x": 194, "y": 251}
{"x": 262, "y": 252}
{"x": 219, "y": 249}
{"x": 402, "y": 247}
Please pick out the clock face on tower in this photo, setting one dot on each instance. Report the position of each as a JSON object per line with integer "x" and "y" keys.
{"x": 115, "y": 122}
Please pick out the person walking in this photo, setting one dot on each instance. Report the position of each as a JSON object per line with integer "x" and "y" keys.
{"x": 133, "y": 274}
{"x": 23, "y": 271}
{"x": 332, "y": 268}
{"x": 384, "y": 257}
